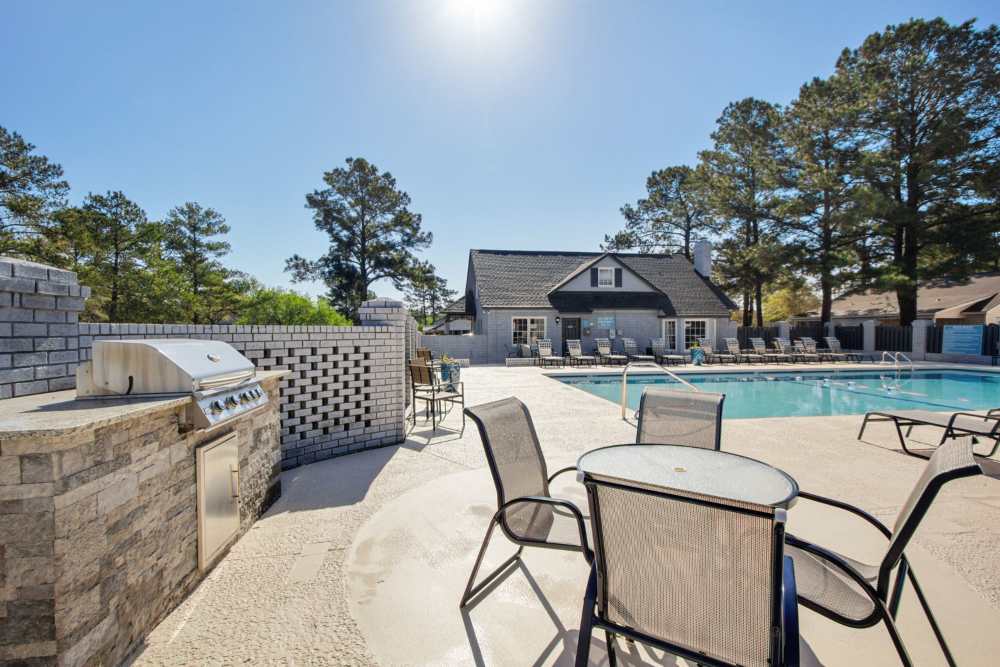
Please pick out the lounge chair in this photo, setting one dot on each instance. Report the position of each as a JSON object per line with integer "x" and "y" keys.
{"x": 835, "y": 348}
{"x": 695, "y": 576}
{"x": 632, "y": 351}
{"x": 955, "y": 425}
{"x": 660, "y": 354}
{"x": 748, "y": 356}
{"x": 526, "y": 511}
{"x": 824, "y": 355}
{"x": 786, "y": 348}
{"x": 860, "y": 595}
{"x": 545, "y": 356}
{"x": 712, "y": 357}
{"x": 426, "y": 387}
{"x": 604, "y": 354}
{"x": 803, "y": 352}
{"x": 680, "y": 417}
{"x": 576, "y": 355}
{"x": 773, "y": 356}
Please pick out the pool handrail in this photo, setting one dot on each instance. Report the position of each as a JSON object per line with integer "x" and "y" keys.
{"x": 647, "y": 364}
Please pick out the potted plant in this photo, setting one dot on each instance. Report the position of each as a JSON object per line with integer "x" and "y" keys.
{"x": 451, "y": 371}
{"x": 697, "y": 354}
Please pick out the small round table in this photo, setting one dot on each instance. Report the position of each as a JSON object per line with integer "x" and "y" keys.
{"x": 693, "y": 469}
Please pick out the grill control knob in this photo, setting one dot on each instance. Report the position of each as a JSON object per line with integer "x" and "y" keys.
{"x": 231, "y": 401}
{"x": 244, "y": 397}
{"x": 216, "y": 407}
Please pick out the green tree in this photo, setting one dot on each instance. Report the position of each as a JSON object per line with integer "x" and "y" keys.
{"x": 427, "y": 294}
{"x": 373, "y": 235}
{"x": 822, "y": 212}
{"x": 121, "y": 241}
{"x": 31, "y": 188}
{"x": 741, "y": 177}
{"x": 268, "y": 305}
{"x": 789, "y": 300}
{"x": 928, "y": 108}
{"x": 672, "y": 216}
{"x": 190, "y": 241}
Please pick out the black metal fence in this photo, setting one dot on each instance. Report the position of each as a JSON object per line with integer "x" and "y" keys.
{"x": 812, "y": 330}
{"x": 991, "y": 337}
{"x": 744, "y": 334}
{"x": 890, "y": 338}
{"x": 850, "y": 337}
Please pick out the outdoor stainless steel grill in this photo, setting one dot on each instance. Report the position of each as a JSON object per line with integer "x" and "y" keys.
{"x": 220, "y": 380}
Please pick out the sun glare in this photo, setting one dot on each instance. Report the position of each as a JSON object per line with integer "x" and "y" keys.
{"x": 479, "y": 17}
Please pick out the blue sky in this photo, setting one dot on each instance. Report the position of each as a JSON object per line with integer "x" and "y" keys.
{"x": 511, "y": 124}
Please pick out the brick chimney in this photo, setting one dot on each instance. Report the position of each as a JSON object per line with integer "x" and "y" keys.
{"x": 702, "y": 258}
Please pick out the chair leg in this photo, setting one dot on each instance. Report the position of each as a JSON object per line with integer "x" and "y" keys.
{"x": 587, "y": 621}
{"x": 930, "y": 619}
{"x": 610, "y": 639}
{"x": 897, "y": 641}
{"x": 864, "y": 425}
{"x": 470, "y": 590}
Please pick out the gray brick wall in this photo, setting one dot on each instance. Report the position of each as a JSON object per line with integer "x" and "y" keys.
{"x": 39, "y": 340}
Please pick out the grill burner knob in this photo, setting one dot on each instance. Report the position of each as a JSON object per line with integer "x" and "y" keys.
{"x": 216, "y": 407}
{"x": 231, "y": 401}
{"x": 244, "y": 397}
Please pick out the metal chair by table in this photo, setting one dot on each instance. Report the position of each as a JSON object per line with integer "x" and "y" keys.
{"x": 721, "y": 591}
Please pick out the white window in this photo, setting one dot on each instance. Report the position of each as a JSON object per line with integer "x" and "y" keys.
{"x": 670, "y": 334}
{"x": 526, "y": 330}
{"x": 693, "y": 330}
{"x": 605, "y": 277}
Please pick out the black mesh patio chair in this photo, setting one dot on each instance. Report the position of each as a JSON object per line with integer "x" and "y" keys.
{"x": 749, "y": 356}
{"x": 802, "y": 351}
{"x": 954, "y": 425}
{"x": 576, "y": 355}
{"x": 661, "y": 356}
{"x": 679, "y": 417}
{"x": 605, "y": 355}
{"x": 697, "y": 576}
{"x": 545, "y": 356}
{"x": 632, "y": 351}
{"x": 860, "y": 595}
{"x": 827, "y": 354}
{"x": 786, "y": 348}
{"x": 772, "y": 356}
{"x": 426, "y": 387}
{"x": 526, "y": 511}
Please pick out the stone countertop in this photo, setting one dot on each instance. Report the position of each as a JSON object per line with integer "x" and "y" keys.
{"x": 60, "y": 412}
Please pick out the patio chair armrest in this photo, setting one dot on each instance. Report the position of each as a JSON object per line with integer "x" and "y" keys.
{"x": 838, "y": 562}
{"x": 558, "y": 502}
{"x": 993, "y": 411}
{"x": 789, "y": 614}
{"x": 559, "y": 472}
{"x": 857, "y": 511}
{"x": 985, "y": 417}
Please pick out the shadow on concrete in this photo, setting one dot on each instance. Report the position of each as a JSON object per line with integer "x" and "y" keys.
{"x": 336, "y": 482}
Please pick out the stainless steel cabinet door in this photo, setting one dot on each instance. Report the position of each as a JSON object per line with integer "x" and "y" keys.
{"x": 218, "y": 497}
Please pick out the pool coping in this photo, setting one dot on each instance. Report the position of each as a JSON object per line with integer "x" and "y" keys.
{"x": 743, "y": 369}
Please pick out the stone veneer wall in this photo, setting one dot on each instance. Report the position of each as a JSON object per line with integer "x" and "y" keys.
{"x": 39, "y": 309}
{"x": 98, "y": 531}
{"x": 346, "y": 389}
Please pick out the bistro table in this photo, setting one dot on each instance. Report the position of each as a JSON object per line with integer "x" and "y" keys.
{"x": 693, "y": 469}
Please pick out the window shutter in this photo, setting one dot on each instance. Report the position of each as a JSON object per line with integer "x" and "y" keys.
{"x": 618, "y": 277}
{"x": 593, "y": 277}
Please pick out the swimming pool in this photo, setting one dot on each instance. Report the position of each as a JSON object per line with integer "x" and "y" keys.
{"x": 816, "y": 393}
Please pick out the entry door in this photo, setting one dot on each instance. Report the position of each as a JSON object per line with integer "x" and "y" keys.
{"x": 570, "y": 330}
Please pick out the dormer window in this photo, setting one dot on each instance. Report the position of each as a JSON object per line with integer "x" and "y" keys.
{"x": 605, "y": 277}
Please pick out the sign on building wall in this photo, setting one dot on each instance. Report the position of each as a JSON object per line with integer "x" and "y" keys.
{"x": 962, "y": 339}
{"x": 605, "y": 322}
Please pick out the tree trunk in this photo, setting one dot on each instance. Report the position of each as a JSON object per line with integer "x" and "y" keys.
{"x": 758, "y": 297}
{"x": 747, "y": 310}
{"x": 825, "y": 313}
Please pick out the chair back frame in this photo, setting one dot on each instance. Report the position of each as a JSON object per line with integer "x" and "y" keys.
{"x": 688, "y": 653}
{"x": 718, "y": 416}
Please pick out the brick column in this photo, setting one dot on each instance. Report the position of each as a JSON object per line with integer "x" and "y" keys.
{"x": 390, "y": 317}
{"x": 868, "y": 335}
{"x": 39, "y": 331}
{"x": 784, "y": 329}
{"x": 918, "y": 348}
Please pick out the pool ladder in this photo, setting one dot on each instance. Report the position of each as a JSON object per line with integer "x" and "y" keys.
{"x": 897, "y": 358}
{"x": 646, "y": 364}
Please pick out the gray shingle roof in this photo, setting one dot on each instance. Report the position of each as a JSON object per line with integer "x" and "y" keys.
{"x": 523, "y": 279}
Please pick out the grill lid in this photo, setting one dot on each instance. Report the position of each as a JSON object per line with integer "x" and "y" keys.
{"x": 161, "y": 366}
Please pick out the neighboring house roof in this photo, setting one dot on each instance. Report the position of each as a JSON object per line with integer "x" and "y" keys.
{"x": 524, "y": 279}
{"x": 456, "y": 307}
{"x": 931, "y": 298}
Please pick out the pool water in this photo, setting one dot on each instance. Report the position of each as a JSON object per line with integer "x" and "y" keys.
{"x": 817, "y": 393}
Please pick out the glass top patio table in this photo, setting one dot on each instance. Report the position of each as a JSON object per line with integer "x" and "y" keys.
{"x": 694, "y": 470}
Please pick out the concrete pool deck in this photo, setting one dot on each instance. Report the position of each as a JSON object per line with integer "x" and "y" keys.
{"x": 363, "y": 559}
